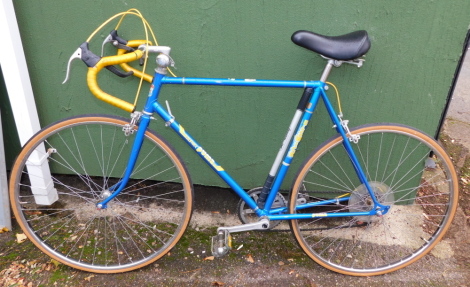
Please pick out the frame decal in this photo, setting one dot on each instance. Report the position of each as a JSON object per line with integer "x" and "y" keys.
{"x": 297, "y": 139}
{"x": 199, "y": 149}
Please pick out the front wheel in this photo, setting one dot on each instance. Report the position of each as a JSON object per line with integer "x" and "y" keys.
{"x": 406, "y": 169}
{"x": 70, "y": 166}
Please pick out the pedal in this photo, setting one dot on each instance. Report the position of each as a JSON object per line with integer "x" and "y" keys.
{"x": 221, "y": 243}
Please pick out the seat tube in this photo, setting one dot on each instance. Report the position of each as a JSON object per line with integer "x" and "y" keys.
{"x": 293, "y": 146}
{"x": 304, "y": 100}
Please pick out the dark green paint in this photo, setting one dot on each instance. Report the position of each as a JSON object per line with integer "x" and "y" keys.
{"x": 405, "y": 79}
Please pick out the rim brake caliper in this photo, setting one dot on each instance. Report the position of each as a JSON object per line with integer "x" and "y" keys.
{"x": 129, "y": 128}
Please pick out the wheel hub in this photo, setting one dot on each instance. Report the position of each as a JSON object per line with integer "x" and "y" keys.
{"x": 105, "y": 194}
{"x": 360, "y": 200}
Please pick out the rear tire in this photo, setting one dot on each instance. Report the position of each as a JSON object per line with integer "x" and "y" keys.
{"x": 87, "y": 155}
{"x": 421, "y": 190}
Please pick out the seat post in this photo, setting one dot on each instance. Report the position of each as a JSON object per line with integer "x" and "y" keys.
{"x": 327, "y": 70}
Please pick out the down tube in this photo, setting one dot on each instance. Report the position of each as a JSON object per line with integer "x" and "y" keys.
{"x": 206, "y": 157}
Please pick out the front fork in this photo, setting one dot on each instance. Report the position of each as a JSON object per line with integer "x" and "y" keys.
{"x": 113, "y": 191}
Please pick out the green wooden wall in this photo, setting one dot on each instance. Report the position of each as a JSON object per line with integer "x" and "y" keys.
{"x": 406, "y": 77}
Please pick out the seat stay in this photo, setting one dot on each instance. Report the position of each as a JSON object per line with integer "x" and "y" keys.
{"x": 352, "y": 155}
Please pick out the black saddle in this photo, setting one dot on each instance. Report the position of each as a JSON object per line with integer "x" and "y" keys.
{"x": 345, "y": 47}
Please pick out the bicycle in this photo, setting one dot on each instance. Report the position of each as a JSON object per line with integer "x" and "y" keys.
{"x": 368, "y": 201}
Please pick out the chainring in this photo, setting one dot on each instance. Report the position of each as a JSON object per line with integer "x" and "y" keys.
{"x": 247, "y": 215}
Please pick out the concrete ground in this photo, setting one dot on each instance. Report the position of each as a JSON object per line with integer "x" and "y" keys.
{"x": 457, "y": 124}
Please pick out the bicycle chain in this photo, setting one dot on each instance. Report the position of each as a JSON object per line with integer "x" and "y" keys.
{"x": 314, "y": 229}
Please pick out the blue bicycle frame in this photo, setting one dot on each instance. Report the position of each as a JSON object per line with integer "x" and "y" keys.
{"x": 287, "y": 153}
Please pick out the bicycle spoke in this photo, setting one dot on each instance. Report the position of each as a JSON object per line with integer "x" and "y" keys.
{"x": 421, "y": 201}
{"x": 89, "y": 157}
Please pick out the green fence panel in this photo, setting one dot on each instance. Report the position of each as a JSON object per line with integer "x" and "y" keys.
{"x": 405, "y": 79}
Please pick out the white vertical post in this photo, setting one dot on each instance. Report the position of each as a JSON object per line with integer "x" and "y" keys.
{"x": 20, "y": 93}
{"x": 5, "y": 220}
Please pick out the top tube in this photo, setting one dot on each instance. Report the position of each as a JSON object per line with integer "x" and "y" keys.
{"x": 241, "y": 82}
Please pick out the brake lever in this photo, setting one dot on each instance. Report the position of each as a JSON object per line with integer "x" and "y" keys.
{"x": 115, "y": 40}
{"x": 106, "y": 40}
{"x": 83, "y": 53}
{"x": 115, "y": 71}
{"x": 76, "y": 55}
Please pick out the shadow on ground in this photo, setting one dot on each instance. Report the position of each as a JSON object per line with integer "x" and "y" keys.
{"x": 259, "y": 258}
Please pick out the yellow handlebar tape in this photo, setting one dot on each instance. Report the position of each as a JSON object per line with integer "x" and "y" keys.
{"x": 127, "y": 68}
{"x": 109, "y": 61}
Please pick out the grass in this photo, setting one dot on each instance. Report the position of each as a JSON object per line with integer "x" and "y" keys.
{"x": 273, "y": 252}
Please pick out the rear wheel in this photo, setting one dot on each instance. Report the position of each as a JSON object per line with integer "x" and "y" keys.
{"x": 86, "y": 157}
{"x": 406, "y": 169}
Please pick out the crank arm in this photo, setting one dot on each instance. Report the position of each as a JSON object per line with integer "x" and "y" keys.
{"x": 263, "y": 224}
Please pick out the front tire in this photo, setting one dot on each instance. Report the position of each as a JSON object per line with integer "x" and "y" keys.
{"x": 87, "y": 156}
